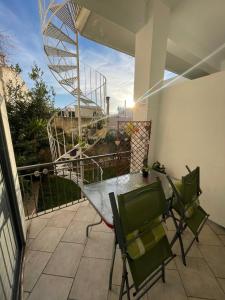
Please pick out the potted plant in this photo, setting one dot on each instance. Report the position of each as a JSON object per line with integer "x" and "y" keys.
{"x": 158, "y": 167}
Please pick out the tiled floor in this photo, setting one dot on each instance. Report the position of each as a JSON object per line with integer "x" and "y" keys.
{"x": 60, "y": 263}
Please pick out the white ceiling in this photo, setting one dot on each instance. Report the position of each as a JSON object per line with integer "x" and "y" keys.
{"x": 197, "y": 28}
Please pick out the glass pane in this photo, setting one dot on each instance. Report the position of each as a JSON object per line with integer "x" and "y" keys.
{"x": 8, "y": 244}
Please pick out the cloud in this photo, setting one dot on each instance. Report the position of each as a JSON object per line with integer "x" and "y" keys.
{"x": 24, "y": 29}
{"x": 27, "y": 40}
{"x": 118, "y": 69}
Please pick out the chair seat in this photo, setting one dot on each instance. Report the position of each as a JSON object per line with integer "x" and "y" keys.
{"x": 196, "y": 219}
{"x": 194, "y": 213}
{"x": 139, "y": 242}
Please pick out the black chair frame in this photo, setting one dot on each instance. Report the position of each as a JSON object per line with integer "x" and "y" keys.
{"x": 180, "y": 224}
{"x": 150, "y": 281}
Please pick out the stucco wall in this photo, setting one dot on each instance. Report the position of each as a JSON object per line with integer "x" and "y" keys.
{"x": 7, "y": 74}
{"x": 191, "y": 130}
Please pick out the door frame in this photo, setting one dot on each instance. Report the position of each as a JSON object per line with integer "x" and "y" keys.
{"x": 13, "y": 206}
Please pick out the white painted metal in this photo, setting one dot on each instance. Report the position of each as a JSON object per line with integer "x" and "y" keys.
{"x": 88, "y": 86}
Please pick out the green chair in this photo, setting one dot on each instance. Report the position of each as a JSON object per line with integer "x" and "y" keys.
{"x": 185, "y": 202}
{"x": 141, "y": 237}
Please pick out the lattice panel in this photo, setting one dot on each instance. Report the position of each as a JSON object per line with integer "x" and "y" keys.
{"x": 135, "y": 137}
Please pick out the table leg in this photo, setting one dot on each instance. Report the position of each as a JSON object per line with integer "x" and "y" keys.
{"x": 91, "y": 225}
{"x": 112, "y": 263}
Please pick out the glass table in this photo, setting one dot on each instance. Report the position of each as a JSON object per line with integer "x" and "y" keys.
{"x": 98, "y": 193}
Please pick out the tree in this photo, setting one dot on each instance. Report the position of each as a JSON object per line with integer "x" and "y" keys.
{"x": 29, "y": 112}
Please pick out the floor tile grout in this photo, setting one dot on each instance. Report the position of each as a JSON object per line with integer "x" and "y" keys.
{"x": 47, "y": 252}
{"x": 82, "y": 256}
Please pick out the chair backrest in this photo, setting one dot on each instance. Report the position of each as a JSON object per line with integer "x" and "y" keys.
{"x": 117, "y": 223}
{"x": 190, "y": 186}
{"x": 141, "y": 206}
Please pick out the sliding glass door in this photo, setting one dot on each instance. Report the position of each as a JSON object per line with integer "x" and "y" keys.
{"x": 9, "y": 250}
{"x": 11, "y": 237}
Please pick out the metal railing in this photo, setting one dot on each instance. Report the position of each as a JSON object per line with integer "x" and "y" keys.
{"x": 51, "y": 186}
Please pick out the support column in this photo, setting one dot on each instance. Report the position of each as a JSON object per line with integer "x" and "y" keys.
{"x": 150, "y": 57}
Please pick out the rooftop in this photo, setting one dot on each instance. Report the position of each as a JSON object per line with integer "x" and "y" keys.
{"x": 61, "y": 263}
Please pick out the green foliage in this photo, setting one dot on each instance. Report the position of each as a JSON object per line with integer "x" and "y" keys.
{"x": 158, "y": 167}
{"x": 28, "y": 112}
{"x": 57, "y": 191}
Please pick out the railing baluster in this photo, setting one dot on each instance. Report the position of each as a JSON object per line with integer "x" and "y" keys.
{"x": 34, "y": 193}
{"x": 44, "y": 192}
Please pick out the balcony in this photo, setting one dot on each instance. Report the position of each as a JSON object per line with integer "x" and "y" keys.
{"x": 61, "y": 263}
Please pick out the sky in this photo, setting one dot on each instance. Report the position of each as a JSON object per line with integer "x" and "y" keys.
{"x": 21, "y": 23}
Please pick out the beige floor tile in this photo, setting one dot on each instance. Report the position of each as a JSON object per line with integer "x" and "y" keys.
{"x": 170, "y": 234}
{"x": 170, "y": 224}
{"x": 208, "y": 237}
{"x": 99, "y": 245}
{"x": 65, "y": 260}
{"x": 171, "y": 265}
{"x": 34, "y": 264}
{"x": 91, "y": 281}
{"x": 63, "y": 219}
{"x": 197, "y": 279}
{"x": 216, "y": 228}
{"x": 85, "y": 203}
{"x": 85, "y": 214}
{"x": 215, "y": 257}
{"x": 25, "y": 295}
{"x": 72, "y": 207}
{"x": 76, "y": 232}
{"x": 114, "y": 294}
{"x": 36, "y": 226}
{"x": 28, "y": 243}
{"x": 222, "y": 238}
{"x": 51, "y": 287}
{"x": 117, "y": 270}
{"x": 191, "y": 298}
{"x": 102, "y": 227}
{"x": 222, "y": 283}
{"x": 49, "y": 214}
{"x": 187, "y": 235}
{"x": 170, "y": 290}
{"x": 47, "y": 239}
{"x": 193, "y": 252}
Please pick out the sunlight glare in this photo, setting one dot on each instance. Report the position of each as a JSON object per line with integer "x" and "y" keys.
{"x": 130, "y": 103}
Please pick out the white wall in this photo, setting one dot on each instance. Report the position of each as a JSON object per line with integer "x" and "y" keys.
{"x": 13, "y": 163}
{"x": 191, "y": 130}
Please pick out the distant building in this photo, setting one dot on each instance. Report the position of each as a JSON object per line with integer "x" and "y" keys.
{"x": 7, "y": 73}
{"x": 86, "y": 112}
{"x": 125, "y": 113}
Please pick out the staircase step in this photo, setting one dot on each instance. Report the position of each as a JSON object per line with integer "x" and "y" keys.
{"x": 62, "y": 68}
{"x": 86, "y": 101}
{"x": 52, "y": 51}
{"x": 68, "y": 81}
{"x": 75, "y": 92}
{"x": 56, "y": 33}
{"x": 64, "y": 13}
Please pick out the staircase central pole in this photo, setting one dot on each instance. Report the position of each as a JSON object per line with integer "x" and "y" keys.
{"x": 78, "y": 104}
{"x": 78, "y": 87}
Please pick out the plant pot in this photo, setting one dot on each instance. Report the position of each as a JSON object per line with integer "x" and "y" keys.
{"x": 145, "y": 173}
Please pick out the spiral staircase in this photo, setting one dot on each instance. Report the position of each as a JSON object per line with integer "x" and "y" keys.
{"x": 69, "y": 129}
